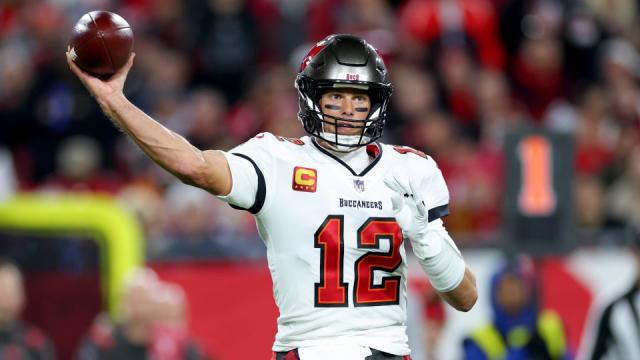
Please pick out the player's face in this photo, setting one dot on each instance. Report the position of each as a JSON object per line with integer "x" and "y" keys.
{"x": 346, "y": 104}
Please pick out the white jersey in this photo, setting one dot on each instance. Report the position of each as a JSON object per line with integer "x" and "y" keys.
{"x": 334, "y": 249}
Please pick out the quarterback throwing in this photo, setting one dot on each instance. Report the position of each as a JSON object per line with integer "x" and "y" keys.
{"x": 333, "y": 208}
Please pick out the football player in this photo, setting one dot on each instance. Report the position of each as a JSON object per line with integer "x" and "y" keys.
{"x": 333, "y": 208}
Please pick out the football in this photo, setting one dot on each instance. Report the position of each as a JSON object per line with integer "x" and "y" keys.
{"x": 101, "y": 43}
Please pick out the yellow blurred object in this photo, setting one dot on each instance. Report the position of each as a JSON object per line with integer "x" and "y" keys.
{"x": 116, "y": 230}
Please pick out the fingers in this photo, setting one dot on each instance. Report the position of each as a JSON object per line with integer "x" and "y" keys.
{"x": 72, "y": 65}
{"x": 406, "y": 187}
{"x": 391, "y": 182}
{"x": 417, "y": 198}
{"x": 396, "y": 202}
{"x": 396, "y": 184}
{"x": 83, "y": 76}
{"x": 125, "y": 69}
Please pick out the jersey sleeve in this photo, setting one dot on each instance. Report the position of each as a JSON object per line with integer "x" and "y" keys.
{"x": 250, "y": 164}
{"x": 434, "y": 189}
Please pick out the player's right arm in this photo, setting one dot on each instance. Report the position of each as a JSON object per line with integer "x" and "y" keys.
{"x": 208, "y": 169}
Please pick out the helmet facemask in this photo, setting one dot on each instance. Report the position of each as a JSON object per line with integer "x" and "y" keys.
{"x": 314, "y": 119}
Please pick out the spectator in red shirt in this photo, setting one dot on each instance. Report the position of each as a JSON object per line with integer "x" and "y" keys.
{"x": 429, "y": 20}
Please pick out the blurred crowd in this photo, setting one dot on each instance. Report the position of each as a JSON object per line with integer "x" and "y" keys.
{"x": 153, "y": 324}
{"x": 465, "y": 73}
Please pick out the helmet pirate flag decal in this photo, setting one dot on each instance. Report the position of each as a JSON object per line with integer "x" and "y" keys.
{"x": 313, "y": 52}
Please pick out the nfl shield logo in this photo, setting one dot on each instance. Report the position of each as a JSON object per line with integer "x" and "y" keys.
{"x": 358, "y": 184}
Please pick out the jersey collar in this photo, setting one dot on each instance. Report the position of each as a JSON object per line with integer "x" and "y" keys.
{"x": 373, "y": 150}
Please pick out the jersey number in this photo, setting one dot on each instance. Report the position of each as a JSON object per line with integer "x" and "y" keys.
{"x": 332, "y": 290}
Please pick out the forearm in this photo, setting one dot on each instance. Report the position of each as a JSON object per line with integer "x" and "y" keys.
{"x": 442, "y": 261}
{"x": 208, "y": 170}
{"x": 165, "y": 147}
{"x": 465, "y": 295}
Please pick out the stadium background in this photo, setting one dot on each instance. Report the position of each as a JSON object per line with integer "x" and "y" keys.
{"x": 466, "y": 73}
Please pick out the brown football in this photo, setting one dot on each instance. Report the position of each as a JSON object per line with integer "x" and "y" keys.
{"x": 101, "y": 43}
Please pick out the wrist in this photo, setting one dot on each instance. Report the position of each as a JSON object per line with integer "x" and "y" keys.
{"x": 112, "y": 101}
{"x": 440, "y": 260}
{"x": 110, "y": 104}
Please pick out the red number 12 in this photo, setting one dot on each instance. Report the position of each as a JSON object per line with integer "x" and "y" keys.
{"x": 332, "y": 290}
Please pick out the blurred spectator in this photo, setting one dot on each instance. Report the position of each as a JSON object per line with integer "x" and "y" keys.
{"x": 589, "y": 198}
{"x": 163, "y": 77}
{"x": 620, "y": 62}
{"x": 8, "y": 180}
{"x": 620, "y": 69}
{"x": 595, "y": 134}
{"x": 17, "y": 339}
{"x": 538, "y": 74}
{"x": 475, "y": 178}
{"x": 18, "y": 127}
{"x": 147, "y": 201}
{"x": 227, "y": 44}
{"x": 582, "y": 35}
{"x": 200, "y": 228}
{"x": 615, "y": 333}
{"x": 498, "y": 112}
{"x": 415, "y": 95}
{"x": 434, "y": 316}
{"x": 618, "y": 17}
{"x": 280, "y": 23}
{"x": 520, "y": 329}
{"x": 427, "y": 21}
{"x": 203, "y": 117}
{"x": 271, "y": 103}
{"x": 162, "y": 19}
{"x": 529, "y": 19}
{"x": 437, "y": 134}
{"x": 457, "y": 70}
{"x": 370, "y": 19}
{"x": 623, "y": 199}
{"x": 79, "y": 170}
{"x": 153, "y": 325}
{"x": 17, "y": 75}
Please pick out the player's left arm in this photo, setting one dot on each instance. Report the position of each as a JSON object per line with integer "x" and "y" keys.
{"x": 464, "y": 296}
{"x": 419, "y": 201}
{"x": 441, "y": 259}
